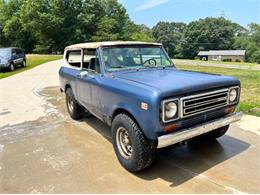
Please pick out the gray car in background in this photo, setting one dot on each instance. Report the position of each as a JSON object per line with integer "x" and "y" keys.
{"x": 11, "y": 57}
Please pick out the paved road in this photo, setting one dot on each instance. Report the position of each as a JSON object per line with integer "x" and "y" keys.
{"x": 43, "y": 151}
{"x": 215, "y": 64}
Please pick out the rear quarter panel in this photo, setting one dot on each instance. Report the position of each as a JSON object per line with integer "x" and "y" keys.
{"x": 68, "y": 77}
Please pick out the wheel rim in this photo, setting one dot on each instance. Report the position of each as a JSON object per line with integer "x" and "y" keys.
{"x": 70, "y": 103}
{"x": 124, "y": 143}
{"x": 12, "y": 67}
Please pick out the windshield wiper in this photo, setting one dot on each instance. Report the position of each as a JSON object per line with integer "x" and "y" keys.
{"x": 150, "y": 66}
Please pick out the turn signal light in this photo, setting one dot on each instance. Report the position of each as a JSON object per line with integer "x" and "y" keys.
{"x": 230, "y": 109}
{"x": 170, "y": 128}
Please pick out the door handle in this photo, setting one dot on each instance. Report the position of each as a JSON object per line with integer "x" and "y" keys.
{"x": 91, "y": 76}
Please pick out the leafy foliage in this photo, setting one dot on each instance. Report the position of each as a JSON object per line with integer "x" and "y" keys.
{"x": 170, "y": 34}
{"x": 250, "y": 42}
{"x": 208, "y": 34}
{"x": 45, "y": 26}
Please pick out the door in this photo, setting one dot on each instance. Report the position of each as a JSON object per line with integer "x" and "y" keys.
{"x": 88, "y": 81}
{"x": 14, "y": 57}
{"x": 84, "y": 89}
{"x": 17, "y": 56}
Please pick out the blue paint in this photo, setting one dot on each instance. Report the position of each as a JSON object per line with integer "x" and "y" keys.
{"x": 102, "y": 94}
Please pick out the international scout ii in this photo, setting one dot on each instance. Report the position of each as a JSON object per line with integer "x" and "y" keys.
{"x": 136, "y": 89}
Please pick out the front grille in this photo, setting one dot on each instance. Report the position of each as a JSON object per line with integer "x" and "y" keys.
{"x": 204, "y": 102}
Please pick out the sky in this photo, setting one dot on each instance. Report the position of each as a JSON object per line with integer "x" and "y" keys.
{"x": 149, "y": 12}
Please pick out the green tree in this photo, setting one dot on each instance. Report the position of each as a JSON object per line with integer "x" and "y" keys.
{"x": 250, "y": 42}
{"x": 135, "y": 32}
{"x": 88, "y": 20}
{"x": 112, "y": 26}
{"x": 52, "y": 22}
{"x": 170, "y": 34}
{"x": 11, "y": 30}
{"x": 208, "y": 34}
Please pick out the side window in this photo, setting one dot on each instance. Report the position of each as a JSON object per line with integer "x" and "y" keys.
{"x": 90, "y": 60}
{"x": 74, "y": 58}
{"x": 14, "y": 52}
{"x": 19, "y": 51}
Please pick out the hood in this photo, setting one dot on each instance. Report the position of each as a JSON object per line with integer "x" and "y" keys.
{"x": 171, "y": 80}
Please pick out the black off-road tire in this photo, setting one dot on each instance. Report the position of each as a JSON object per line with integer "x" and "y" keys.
{"x": 143, "y": 149}
{"x": 216, "y": 133}
{"x": 24, "y": 63}
{"x": 73, "y": 107}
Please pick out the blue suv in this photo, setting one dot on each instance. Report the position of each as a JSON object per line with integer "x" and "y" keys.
{"x": 11, "y": 57}
{"x": 136, "y": 89}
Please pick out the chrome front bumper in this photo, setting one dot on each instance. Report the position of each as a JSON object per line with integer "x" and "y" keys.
{"x": 185, "y": 134}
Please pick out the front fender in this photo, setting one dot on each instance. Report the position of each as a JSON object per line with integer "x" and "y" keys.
{"x": 147, "y": 119}
{"x": 122, "y": 94}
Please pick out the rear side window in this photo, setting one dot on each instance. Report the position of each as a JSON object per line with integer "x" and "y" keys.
{"x": 90, "y": 60}
{"x": 74, "y": 58}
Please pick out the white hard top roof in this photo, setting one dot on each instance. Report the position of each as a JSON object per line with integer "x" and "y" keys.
{"x": 222, "y": 53}
{"x": 94, "y": 45}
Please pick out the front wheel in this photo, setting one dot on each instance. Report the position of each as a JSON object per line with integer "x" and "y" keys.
{"x": 133, "y": 150}
{"x": 11, "y": 67}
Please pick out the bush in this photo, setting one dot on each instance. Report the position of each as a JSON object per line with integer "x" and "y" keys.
{"x": 237, "y": 60}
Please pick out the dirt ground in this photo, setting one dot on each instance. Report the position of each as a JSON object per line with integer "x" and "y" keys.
{"x": 42, "y": 150}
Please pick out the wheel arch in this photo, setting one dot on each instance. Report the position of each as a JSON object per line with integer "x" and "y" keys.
{"x": 67, "y": 85}
{"x": 121, "y": 110}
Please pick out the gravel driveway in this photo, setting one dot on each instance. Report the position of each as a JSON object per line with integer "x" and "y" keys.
{"x": 42, "y": 150}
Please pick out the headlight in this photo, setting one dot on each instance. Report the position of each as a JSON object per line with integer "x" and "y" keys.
{"x": 170, "y": 110}
{"x": 233, "y": 95}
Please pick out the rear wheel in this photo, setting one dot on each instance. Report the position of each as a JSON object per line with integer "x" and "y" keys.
{"x": 74, "y": 109}
{"x": 24, "y": 64}
{"x": 133, "y": 150}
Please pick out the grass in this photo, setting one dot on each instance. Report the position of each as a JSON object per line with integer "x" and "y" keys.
{"x": 250, "y": 83}
{"x": 32, "y": 61}
{"x": 221, "y": 62}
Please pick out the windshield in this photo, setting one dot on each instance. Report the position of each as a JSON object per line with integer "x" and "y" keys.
{"x": 5, "y": 53}
{"x": 120, "y": 58}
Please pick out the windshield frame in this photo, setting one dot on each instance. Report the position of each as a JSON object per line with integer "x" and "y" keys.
{"x": 107, "y": 69}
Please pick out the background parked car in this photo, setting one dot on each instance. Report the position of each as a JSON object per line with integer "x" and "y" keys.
{"x": 11, "y": 57}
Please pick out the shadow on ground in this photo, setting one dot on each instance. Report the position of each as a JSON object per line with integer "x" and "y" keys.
{"x": 176, "y": 164}
{"x": 180, "y": 163}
